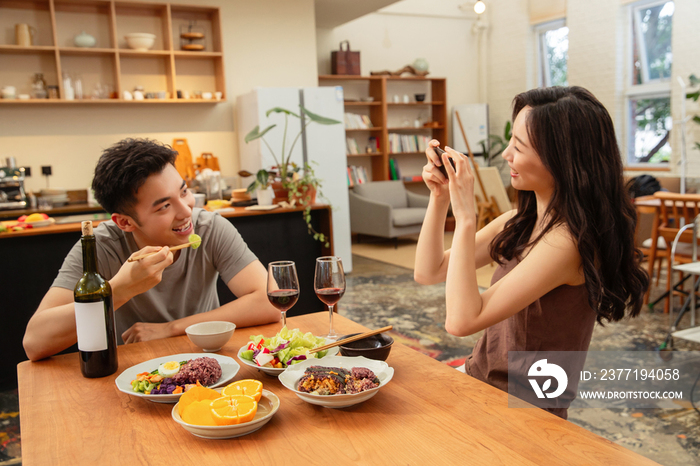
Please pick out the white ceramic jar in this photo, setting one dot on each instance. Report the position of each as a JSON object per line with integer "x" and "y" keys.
{"x": 84, "y": 40}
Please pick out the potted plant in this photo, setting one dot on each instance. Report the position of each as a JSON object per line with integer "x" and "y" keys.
{"x": 261, "y": 184}
{"x": 493, "y": 147}
{"x": 303, "y": 190}
{"x": 284, "y": 169}
{"x": 288, "y": 183}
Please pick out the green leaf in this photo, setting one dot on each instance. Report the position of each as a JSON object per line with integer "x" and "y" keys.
{"x": 693, "y": 95}
{"x": 262, "y": 176}
{"x": 280, "y": 110}
{"x": 694, "y": 81}
{"x": 256, "y": 134}
{"x": 507, "y": 134}
{"x": 319, "y": 119}
{"x": 696, "y": 119}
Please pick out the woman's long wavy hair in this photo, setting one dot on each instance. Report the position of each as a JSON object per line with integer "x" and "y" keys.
{"x": 573, "y": 135}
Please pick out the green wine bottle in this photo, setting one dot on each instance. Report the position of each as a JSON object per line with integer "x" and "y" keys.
{"x": 94, "y": 314}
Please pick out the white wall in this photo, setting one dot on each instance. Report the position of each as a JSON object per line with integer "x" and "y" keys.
{"x": 395, "y": 36}
{"x": 266, "y": 43}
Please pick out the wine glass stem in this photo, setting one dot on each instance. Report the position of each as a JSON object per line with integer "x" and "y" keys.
{"x": 284, "y": 318}
{"x": 330, "y": 310}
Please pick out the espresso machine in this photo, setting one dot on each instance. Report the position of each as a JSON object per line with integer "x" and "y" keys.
{"x": 12, "y": 194}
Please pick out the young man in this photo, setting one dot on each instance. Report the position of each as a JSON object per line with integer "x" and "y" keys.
{"x": 160, "y": 295}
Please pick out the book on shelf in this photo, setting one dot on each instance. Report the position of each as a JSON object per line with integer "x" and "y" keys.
{"x": 356, "y": 175}
{"x": 352, "y": 146}
{"x": 394, "y": 171}
{"x": 356, "y": 121}
{"x": 413, "y": 178}
{"x": 407, "y": 142}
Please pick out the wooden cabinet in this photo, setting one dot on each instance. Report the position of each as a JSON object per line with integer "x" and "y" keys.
{"x": 397, "y": 116}
{"x": 110, "y": 66}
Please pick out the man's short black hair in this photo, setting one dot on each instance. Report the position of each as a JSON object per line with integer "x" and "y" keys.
{"x": 124, "y": 168}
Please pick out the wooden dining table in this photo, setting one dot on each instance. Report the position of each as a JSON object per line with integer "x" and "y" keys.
{"x": 429, "y": 413}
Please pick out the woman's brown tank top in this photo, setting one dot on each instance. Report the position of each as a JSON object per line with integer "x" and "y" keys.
{"x": 561, "y": 320}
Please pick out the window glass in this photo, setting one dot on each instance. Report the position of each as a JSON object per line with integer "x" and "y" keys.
{"x": 650, "y": 130}
{"x": 554, "y": 54}
{"x": 652, "y": 27}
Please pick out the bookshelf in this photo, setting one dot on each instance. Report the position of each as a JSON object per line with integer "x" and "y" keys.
{"x": 390, "y": 104}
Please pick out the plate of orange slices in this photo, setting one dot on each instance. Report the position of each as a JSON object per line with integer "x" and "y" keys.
{"x": 240, "y": 408}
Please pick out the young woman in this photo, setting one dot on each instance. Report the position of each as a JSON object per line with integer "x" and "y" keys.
{"x": 566, "y": 255}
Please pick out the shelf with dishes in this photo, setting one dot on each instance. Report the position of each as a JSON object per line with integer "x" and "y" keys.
{"x": 108, "y": 51}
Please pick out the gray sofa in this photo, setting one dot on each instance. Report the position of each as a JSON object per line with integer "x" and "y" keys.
{"x": 386, "y": 209}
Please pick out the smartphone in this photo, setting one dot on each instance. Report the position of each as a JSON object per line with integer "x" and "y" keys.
{"x": 442, "y": 168}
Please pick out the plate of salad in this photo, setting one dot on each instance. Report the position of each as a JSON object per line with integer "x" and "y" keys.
{"x": 274, "y": 354}
{"x": 148, "y": 379}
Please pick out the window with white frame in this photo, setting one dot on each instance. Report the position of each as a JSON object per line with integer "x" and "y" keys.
{"x": 552, "y": 53}
{"x": 649, "y": 88}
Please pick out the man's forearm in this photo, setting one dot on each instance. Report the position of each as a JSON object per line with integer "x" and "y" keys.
{"x": 50, "y": 331}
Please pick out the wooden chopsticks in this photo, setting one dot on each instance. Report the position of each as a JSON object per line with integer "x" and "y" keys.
{"x": 351, "y": 339}
{"x": 174, "y": 248}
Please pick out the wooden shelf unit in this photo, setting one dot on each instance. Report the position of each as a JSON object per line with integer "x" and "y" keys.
{"x": 163, "y": 68}
{"x": 383, "y": 110}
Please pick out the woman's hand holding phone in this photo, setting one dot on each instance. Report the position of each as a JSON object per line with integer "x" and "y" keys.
{"x": 461, "y": 185}
{"x": 433, "y": 176}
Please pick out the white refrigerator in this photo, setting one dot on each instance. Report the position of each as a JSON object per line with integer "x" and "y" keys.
{"x": 322, "y": 144}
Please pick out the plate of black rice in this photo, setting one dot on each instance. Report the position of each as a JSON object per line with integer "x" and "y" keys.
{"x": 211, "y": 370}
{"x": 337, "y": 381}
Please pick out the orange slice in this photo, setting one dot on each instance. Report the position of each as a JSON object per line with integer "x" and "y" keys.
{"x": 249, "y": 387}
{"x": 197, "y": 393}
{"x": 233, "y": 409}
{"x": 199, "y": 413}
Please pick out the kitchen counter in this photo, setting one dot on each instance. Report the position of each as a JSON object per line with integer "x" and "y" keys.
{"x": 70, "y": 209}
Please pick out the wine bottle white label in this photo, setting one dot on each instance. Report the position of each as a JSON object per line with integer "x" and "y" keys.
{"x": 91, "y": 326}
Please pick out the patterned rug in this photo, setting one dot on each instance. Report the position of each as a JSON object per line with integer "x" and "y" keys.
{"x": 10, "y": 452}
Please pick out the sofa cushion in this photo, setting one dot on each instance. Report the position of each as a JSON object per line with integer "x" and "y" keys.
{"x": 409, "y": 216}
{"x": 388, "y": 192}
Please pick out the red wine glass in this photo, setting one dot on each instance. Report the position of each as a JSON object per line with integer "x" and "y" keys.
{"x": 282, "y": 286}
{"x": 329, "y": 285}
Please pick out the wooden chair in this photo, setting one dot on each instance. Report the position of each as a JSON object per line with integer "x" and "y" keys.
{"x": 648, "y": 215}
{"x": 675, "y": 211}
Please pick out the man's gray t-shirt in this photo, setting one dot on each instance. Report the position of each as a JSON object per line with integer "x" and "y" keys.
{"x": 188, "y": 286}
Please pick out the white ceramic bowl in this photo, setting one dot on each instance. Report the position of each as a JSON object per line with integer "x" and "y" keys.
{"x": 210, "y": 336}
{"x": 267, "y": 407}
{"x": 292, "y": 374}
{"x": 140, "y": 40}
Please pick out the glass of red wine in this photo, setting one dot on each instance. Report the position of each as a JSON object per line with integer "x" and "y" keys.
{"x": 282, "y": 286}
{"x": 329, "y": 285}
